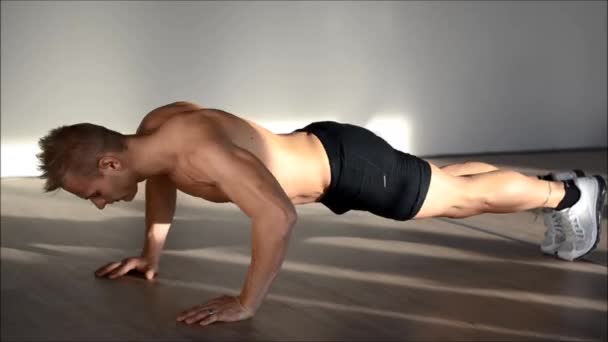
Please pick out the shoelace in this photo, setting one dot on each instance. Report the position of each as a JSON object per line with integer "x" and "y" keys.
{"x": 556, "y": 227}
{"x": 574, "y": 229}
{"x": 556, "y": 223}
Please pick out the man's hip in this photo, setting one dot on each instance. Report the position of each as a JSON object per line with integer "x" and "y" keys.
{"x": 368, "y": 174}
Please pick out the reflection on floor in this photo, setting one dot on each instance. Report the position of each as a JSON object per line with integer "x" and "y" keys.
{"x": 349, "y": 277}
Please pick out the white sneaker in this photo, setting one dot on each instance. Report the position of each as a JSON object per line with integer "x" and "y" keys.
{"x": 582, "y": 221}
{"x": 554, "y": 235}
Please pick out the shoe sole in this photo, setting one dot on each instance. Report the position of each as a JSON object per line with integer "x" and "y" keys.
{"x": 599, "y": 208}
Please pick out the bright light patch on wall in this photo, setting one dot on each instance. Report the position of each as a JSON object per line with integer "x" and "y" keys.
{"x": 393, "y": 128}
{"x": 19, "y": 160}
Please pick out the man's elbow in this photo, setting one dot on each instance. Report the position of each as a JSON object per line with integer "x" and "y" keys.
{"x": 288, "y": 216}
{"x": 291, "y": 216}
{"x": 282, "y": 220}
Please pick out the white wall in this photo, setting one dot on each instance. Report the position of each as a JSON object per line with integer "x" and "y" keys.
{"x": 431, "y": 77}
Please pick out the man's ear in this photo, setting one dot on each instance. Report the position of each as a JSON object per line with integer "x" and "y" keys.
{"x": 109, "y": 163}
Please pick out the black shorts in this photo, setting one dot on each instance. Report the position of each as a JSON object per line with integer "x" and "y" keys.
{"x": 369, "y": 174}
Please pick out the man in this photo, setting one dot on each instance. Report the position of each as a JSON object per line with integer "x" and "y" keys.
{"x": 220, "y": 157}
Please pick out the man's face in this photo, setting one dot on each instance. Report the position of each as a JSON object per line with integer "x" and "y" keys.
{"x": 103, "y": 189}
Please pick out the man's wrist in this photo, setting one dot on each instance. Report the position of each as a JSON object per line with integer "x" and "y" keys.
{"x": 152, "y": 257}
{"x": 152, "y": 246}
{"x": 247, "y": 307}
{"x": 155, "y": 235}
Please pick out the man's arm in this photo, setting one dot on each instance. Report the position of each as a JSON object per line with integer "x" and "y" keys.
{"x": 161, "y": 196}
{"x": 249, "y": 184}
{"x": 161, "y": 193}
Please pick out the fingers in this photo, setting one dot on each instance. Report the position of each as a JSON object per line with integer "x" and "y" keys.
{"x": 150, "y": 274}
{"x": 189, "y": 312}
{"x": 224, "y": 309}
{"x": 210, "y": 319}
{"x": 202, "y": 310}
{"x": 117, "y": 269}
{"x": 197, "y": 308}
{"x": 102, "y": 271}
{"x": 198, "y": 316}
{"x": 122, "y": 270}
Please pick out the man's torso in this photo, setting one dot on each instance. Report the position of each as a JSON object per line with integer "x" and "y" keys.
{"x": 297, "y": 160}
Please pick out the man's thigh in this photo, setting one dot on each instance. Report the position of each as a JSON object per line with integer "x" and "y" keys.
{"x": 446, "y": 196}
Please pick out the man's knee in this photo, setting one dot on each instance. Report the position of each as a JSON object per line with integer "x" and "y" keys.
{"x": 471, "y": 200}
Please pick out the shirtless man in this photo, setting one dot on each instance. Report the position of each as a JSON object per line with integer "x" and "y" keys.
{"x": 220, "y": 157}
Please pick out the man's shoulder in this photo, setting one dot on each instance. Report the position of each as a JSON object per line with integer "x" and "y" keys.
{"x": 159, "y": 116}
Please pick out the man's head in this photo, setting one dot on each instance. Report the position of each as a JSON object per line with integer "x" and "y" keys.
{"x": 89, "y": 161}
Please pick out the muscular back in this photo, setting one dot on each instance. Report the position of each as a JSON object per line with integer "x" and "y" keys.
{"x": 296, "y": 161}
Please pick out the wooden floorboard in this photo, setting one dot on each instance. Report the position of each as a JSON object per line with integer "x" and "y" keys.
{"x": 351, "y": 277}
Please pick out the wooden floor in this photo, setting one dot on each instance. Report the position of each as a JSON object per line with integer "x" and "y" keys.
{"x": 349, "y": 277}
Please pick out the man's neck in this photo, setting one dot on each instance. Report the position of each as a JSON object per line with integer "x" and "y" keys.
{"x": 149, "y": 157}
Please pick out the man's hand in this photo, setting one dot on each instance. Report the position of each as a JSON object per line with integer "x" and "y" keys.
{"x": 220, "y": 309}
{"x": 117, "y": 269}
